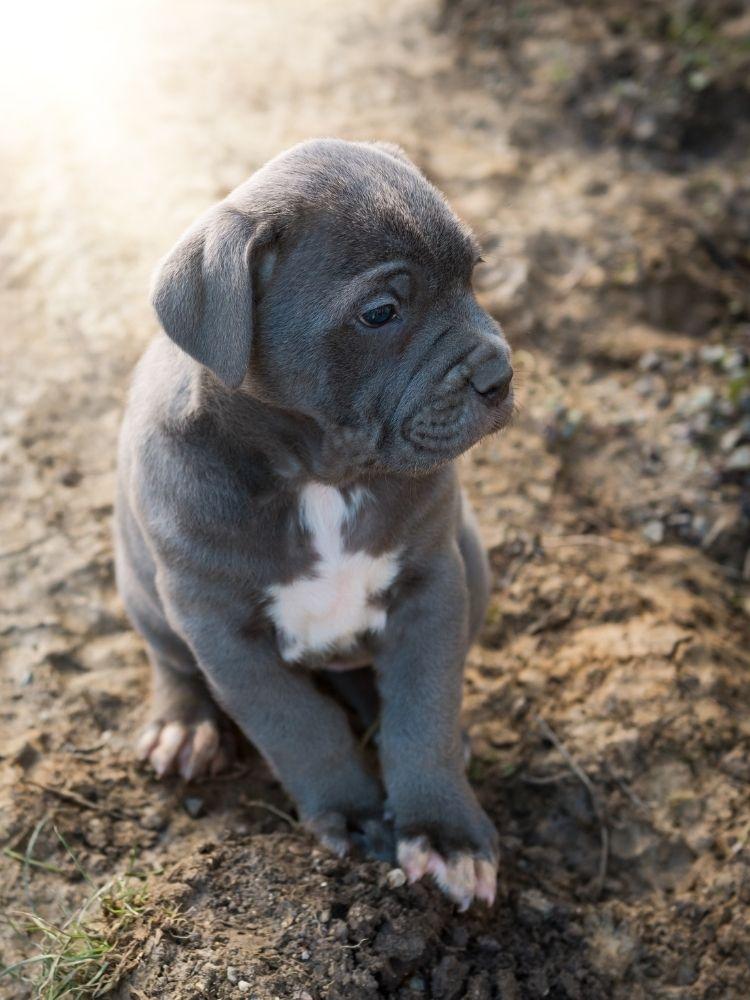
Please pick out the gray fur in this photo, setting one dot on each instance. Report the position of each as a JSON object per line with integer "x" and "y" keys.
{"x": 269, "y": 382}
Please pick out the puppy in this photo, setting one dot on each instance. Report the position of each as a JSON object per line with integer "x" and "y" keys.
{"x": 288, "y": 508}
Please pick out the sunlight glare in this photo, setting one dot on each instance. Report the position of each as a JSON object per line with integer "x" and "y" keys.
{"x": 63, "y": 57}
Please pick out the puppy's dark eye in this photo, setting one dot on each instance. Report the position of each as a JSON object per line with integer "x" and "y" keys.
{"x": 378, "y": 316}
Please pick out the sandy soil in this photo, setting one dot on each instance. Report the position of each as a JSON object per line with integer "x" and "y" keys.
{"x": 608, "y": 699}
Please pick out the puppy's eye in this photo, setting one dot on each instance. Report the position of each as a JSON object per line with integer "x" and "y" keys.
{"x": 378, "y": 316}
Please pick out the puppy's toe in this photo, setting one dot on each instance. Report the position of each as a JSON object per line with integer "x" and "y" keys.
{"x": 199, "y": 750}
{"x": 414, "y": 857}
{"x": 458, "y": 880}
{"x": 463, "y": 876}
{"x": 486, "y": 886}
{"x": 147, "y": 740}
{"x": 192, "y": 750}
{"x": 165, "y": 752}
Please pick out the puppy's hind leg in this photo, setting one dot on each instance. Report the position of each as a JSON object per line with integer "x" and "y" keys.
{"x": 187, "y": 733}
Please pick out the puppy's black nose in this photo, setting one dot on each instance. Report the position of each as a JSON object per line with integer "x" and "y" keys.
{"x": 492, "y": 379}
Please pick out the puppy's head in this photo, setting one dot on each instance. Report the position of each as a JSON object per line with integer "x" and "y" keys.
{"x": 336, "y": 283}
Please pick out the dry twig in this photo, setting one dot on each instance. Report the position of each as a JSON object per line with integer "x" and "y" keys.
{"x": 600, "y": 541}
{"x": 79, "y": 800}
{"x": 260, "y": 804}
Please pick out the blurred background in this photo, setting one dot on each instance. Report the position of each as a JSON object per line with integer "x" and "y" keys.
{"x": 601, "y": 152}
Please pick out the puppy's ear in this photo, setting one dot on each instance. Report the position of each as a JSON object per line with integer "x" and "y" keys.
{"x": 203, "y": 292}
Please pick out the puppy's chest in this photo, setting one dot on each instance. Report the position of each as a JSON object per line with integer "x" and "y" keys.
{"x": 329, "y": 607}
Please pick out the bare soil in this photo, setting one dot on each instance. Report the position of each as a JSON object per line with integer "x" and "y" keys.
{"x": 602, "y": 157}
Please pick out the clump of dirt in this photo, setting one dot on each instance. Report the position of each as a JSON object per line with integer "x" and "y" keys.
{"x": 354, "y": 930}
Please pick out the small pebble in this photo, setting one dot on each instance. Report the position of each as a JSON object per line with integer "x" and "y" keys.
{"x": 700, "y": 400}
{"x": 645, "y": 127}
{"x": 395, "y": 878}
{"x": 653, "y": 531}
{"x": 645, "y": 386}
{"x": 487, "y": 943}
{"x": 537, "y": 902}
{"x": 153, "y": 819}
{"x": 305, "y": 956}
{"x": 730, "y": 439}
{"x": 713, "y": 354}
{"x": 243, "y": 986}
{"x": 649, "y": 361}
{"x": 232, "y": 974}
{"x": 71, "y": 477}
{"x": 193, "y": 806}
{"x": 739, "y": 460}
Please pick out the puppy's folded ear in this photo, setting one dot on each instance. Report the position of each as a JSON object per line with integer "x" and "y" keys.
{"x": 203, "y": 292}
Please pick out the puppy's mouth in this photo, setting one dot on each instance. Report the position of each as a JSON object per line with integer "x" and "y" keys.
{"x": 447, "y": 428}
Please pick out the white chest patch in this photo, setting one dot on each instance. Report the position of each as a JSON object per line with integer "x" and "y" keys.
{"x": 328, "y": 609}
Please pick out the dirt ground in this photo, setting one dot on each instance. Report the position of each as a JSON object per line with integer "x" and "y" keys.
{"x": 601, "y": 152}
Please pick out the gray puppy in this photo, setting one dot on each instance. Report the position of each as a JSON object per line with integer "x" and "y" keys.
{"x": 288, "y": 509}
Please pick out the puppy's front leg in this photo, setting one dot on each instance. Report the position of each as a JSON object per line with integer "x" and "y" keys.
{"x": 441, "y": 829}
{"x": 304, "y": 736}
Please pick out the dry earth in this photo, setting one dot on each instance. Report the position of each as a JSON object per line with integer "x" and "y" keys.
{"x": 603, "y": 160}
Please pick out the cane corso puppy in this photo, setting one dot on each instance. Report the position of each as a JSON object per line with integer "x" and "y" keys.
{"x": 292, "y": 541}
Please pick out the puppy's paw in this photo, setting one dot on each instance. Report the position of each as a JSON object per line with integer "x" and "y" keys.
{"x": 462, "y": 875}
{"x": 191, "y": 749}
{"x": 442, "y": 831}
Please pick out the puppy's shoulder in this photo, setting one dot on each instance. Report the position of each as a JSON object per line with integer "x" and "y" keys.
{"x": 174, "y": 455}
{"x": 161, "y": 386}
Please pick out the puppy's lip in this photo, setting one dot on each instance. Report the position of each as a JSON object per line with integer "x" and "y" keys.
{"x": 504, "y": 411}
{"x": 439, "y": 451}
{"x": 426, "y": 430}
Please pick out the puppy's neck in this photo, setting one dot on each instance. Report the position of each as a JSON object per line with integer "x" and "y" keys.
{"x": 294, "y": 445}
